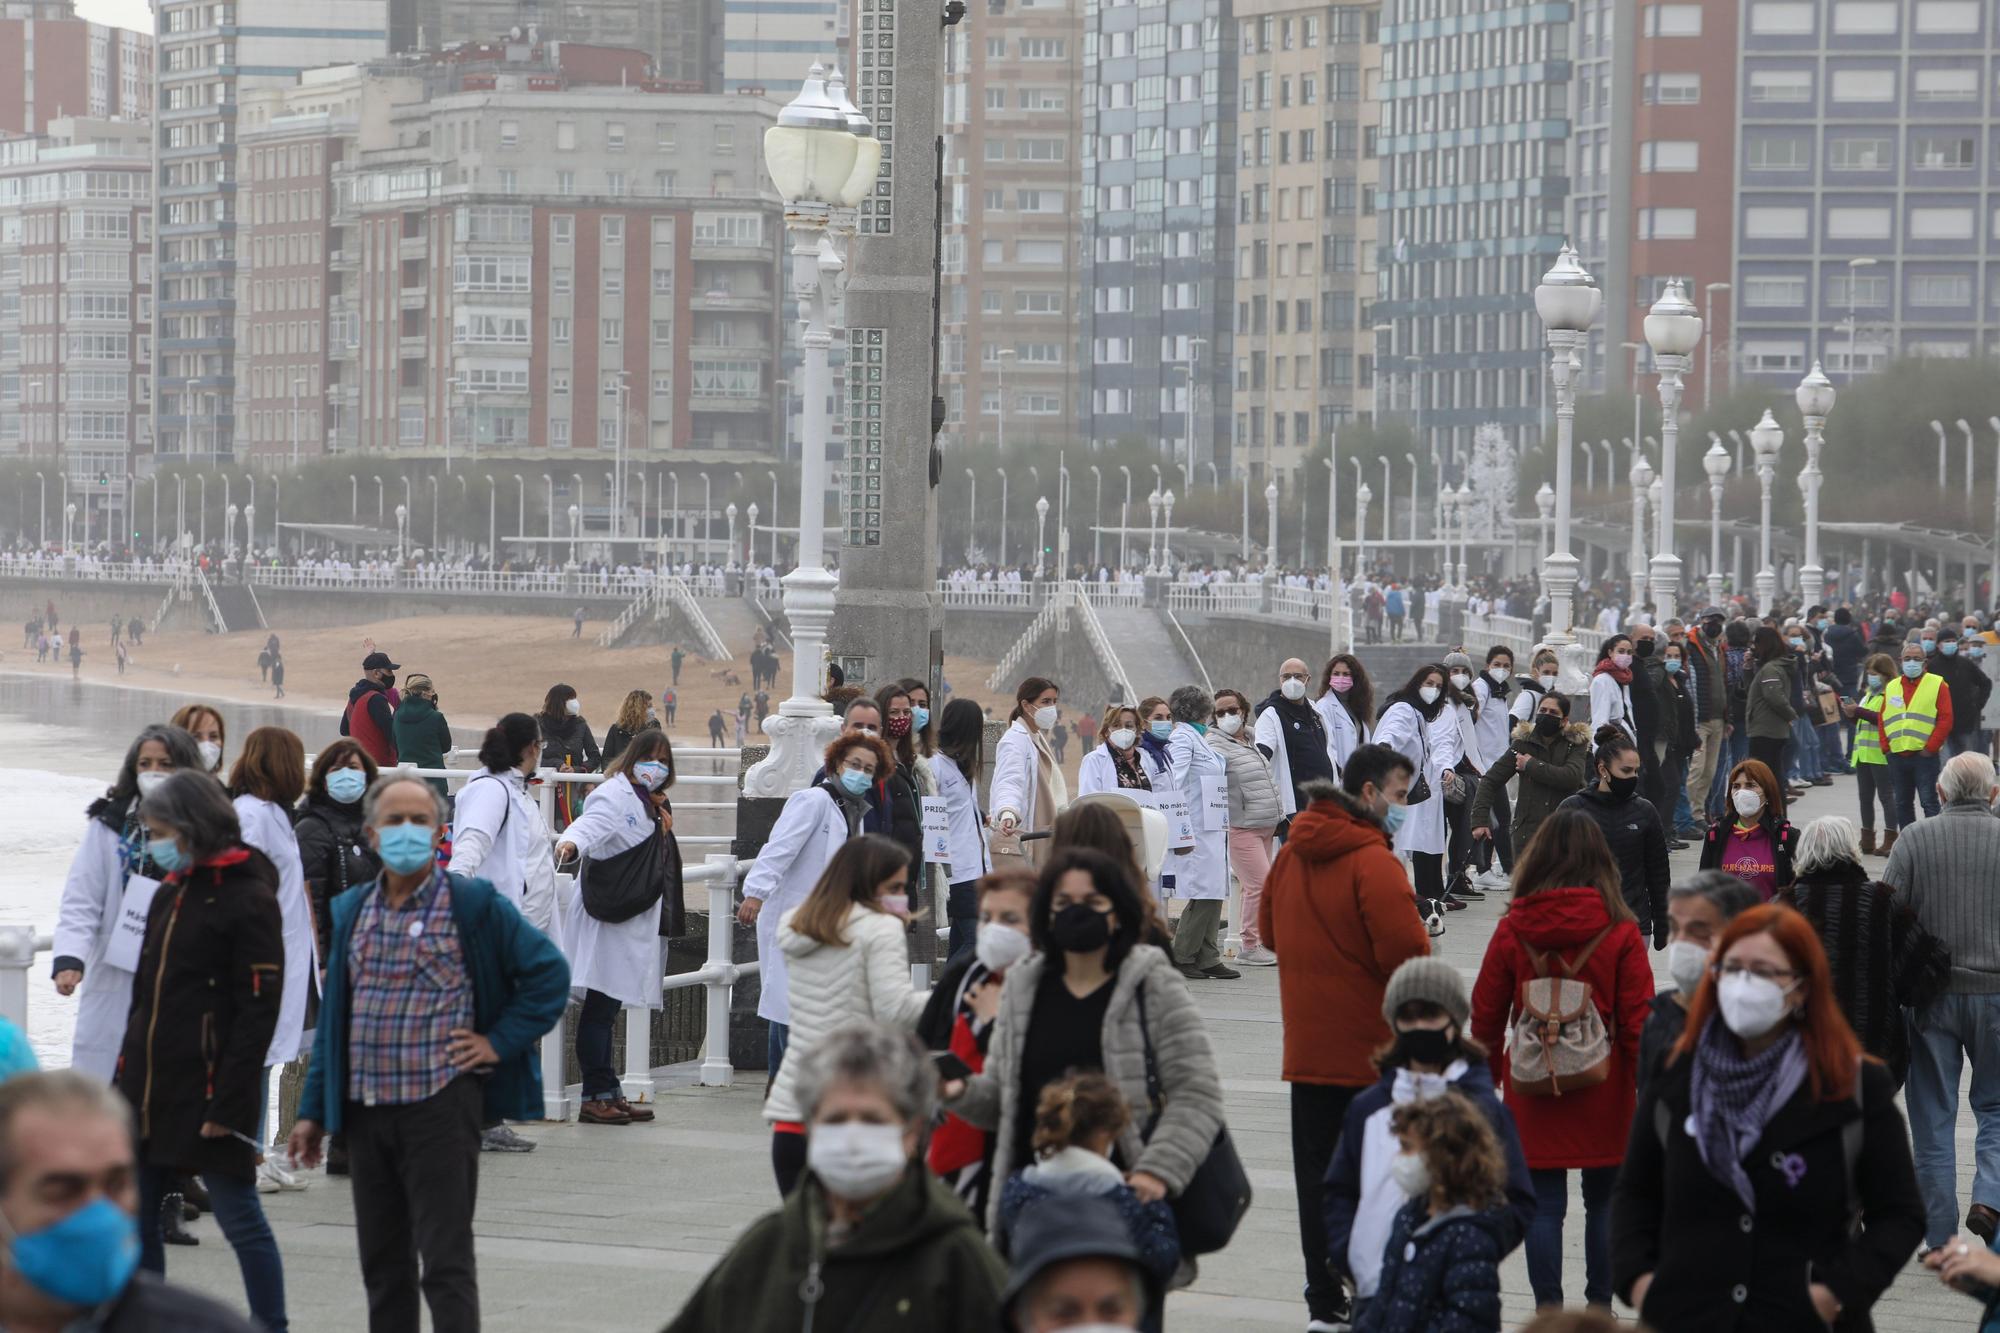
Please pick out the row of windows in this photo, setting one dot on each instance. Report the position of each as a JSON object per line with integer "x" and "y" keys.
{"x": 1865, "y": 84}
{"x": 1865, "y": 291}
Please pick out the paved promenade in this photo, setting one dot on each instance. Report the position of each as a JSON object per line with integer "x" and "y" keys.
{"x": 608, "y": 1229}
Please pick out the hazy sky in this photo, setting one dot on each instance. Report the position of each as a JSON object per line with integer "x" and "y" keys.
{"x": 125, "y": 13}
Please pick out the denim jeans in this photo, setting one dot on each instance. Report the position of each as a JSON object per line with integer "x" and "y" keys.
{"x": 593, "y": 1046}
{"x": 1677, "y": 778}
{"x": 962, "y": 914}
{"x": 1873, "y": 785}
{"x": 1915, "y": 774}
{"x": 1545, "y": 1235}
{"x": 1954, "y": 1030}
{"x": 774, "y": 1050}
{"x": 1805, "y": 750}
{"x": 241, "y": 1218}
{"x": 1832, "y": 754}
{"x": 1735, "y": 749}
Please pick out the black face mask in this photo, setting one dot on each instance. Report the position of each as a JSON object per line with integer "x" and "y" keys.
{"x": 1622, "y": 788}
{"x": 1547, "y": 725}
{"x": 1427, "y": 1046}
{"x": 1643, "y": 647}
{"x": 1078, "y": 929}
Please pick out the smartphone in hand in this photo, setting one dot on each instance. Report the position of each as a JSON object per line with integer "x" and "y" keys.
{"x": 949, "y": 1066}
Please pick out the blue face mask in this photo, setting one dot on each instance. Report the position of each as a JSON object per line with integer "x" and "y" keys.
{"x": 405, "y": 848}
{"x": 85, "y": 1259}
{"x": 1673, "y": 666}
{"x": 346, "y": 785}
{"x": 1974, "y": 651}
{"x": 920, "y": 716}
{"x": 1160, "y": 730}
{"x": 1393, "y": 817}
{"x": 1875, "y": 682}
{"x": 1948, "y": 649}
{"x": 166, "y": 854}
{"x": 856, "y": 781}
{"x": 1930, "y": 645}
{"x": 1822, "y": 622}
{"x": 651, "y": 774}
{"x": 1913, "y": 669}
{"x": 1798, "y": 643}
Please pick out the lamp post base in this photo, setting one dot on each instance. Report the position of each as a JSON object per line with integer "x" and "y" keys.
{"x": 1715, "y": 588}
{"x": 1767, "y": 590}
{"x": 804, "y": 723}
{"x": 1559, "y": 576}
{"x": 1665, "y": 581}
{"x": 1812, "y": 586}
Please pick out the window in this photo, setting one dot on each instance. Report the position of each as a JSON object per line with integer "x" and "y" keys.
{"x": 1775, "y": 290}
{"x": 1038, "y": 252}
{"x": 1666, "y": 224}
{"x": 1789, "y": 154}
{"x": 1860, "y": 289}
{"x": 1865, "y": 18}
{"x": 611, "y": 230}
{"x": 1854, "y": 223}
{"x": 560, "y": 280}
{"x": 613, "y": 281}
{"x": 490, "y": 273}
{"x": 725, "y": 139}
{"x": 1038, "y": 303}
{"x": 559, "y": 329}
{"x": 510, "y": 134}
{"x": 1781, "y": 18}
{"x": 1940, "y": 224}
{"x": 728, "y": 379}
{"x": 1672, "y": 89}
{"x": 503, "y": 224}
{"x": 611, "y": 330}
{"x": 562, "y": 228}
{"x": 1043, "y": 99}
{"x": 566, "y": 183}
{"x": 731, "y": 229}
{"x": 663, "y": 282}
{"x": 1943, "y": 152}
{"x": 1859, "y": 155}
{"x": 1939, "y": 17}
{"x": 558, "y": 432}
{"x": 1669, "y": 155}
{"x": 1043, "y": 48}
{"x": 1042, "y": 150}
{"x": 1941, "y": 289}
{"x": 1864, "y": 85}
{"x": 1673, "y": 20}
{"x": 475, "y": 326}
{"x": 614, "y": 136}
{"x": 565, "y": 136}
{"x": 1946, "y": 85}
{"x": 1781, "y": 85}
{"x": 1774, "y": 355}
{"x": 1775, "y": 223}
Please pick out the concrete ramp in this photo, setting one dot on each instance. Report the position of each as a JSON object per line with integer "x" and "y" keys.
{"x": 1156, "y": 658}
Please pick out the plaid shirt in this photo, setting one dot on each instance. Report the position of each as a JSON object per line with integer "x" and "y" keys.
{"x": 408, "y": 990}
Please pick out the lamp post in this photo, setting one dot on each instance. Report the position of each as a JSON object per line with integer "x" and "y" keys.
{"x": 492, "y": 516}
{"x": 1965, "y": 429}
{"x": 1041, "y": 532}
{"x": 203, "y": 479}
{"x": 1153, "y": 532}
{"x": 1674, "y": 330}
{"x": 1002, "y": 558}
{"x": 277, "y": 514}
{"x": 1545, "y": 505}
{"x": 1716, "y": 463}
{"x": 1411, "y": 459}
{"x": 69, "y": 518}
{"x": 432, "y": 479}
{"x": 1465, "y": 502}
{"x": 1389, "y": 497}
{"x": 402, "y": 534}
{"x": 1815, "y": 399}
{"x": 249, "y": 535}
{"x": 1271, "y": 546}
{"x": 1362, "y": 495}
{"x": 1167, "y": 535}
{"x": 1641, "y": 477}
{"x": 1125, "y": 520}
{"x": 1333, "y": 534}
{"x": 549, "y": 496}
{"x": 1097, "y": 521}
{"x": 729, "y": 512}
{"x": 1767, "y": 437}
{"x": 774, "y": 515}
{"x": 1708, "y": 292}
{"x": 1567, "y": 303}
{"x": 575, "y": 520}
{"x": 972, "y": 513}
{"x": 228, "y": 531}
{"x": 1447, "y": 500}
{"x": 1854, "y": 267}
{"x": 1937, "y": 428}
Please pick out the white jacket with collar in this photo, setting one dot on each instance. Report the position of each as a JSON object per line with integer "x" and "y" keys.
{"x": 91, "y": 900}
{"x": 969, "y": 858}
{"x": 622, "y": 958}
{"x": 1016, "y": 761}
{"x": 1343, "y": 734}
{"x": 809, "y": 831}
{"x": 498, "y": 835}
{"x": 1403, "y": 729}
{"x": 1611, "y": 704}
{"x": 866, "y": 978}
{"x": 1099, "y": 769}
{"x": 268, "y": 828}
{"x": 1204, "y": 871}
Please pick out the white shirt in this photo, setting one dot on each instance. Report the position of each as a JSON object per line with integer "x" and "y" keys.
{"x": 967, "y": 843}
{"x": 518, "y": 864}
{"x": 267, "y": 828}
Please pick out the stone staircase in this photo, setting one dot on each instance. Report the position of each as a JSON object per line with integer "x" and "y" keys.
{"x": 1155, "y": 659}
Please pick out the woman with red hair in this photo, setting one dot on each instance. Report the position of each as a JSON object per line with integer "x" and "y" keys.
{"x": 1768, "y": 1182}
{"x": 1754, "y": 842}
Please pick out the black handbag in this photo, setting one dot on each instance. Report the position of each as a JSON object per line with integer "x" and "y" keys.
{"x": 1211, "y": 1207}
{"x": 619, "y": 887}
{"x": 1420, "y": 786}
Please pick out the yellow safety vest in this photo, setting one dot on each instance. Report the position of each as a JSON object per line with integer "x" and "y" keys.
{"x": 1908, "y": 724}
{"x": 1868, "y": 736}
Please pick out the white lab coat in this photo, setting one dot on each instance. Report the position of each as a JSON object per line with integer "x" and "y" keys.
{"x": 1343, "y": 734}
{"x": 268, "y": 828}
{"x": 1016, "y": 761}
{"x": 519, "y": 863}
{"x": 1495, "y": 721}
{"x": 1433, "y": 747}
{"x": 967, "y": 845}
{"x": 90, "y": 901}
{"x": 810, "y": 829}
{"x": 1099, "y": 771}
{"x": 1203, "y": 872}
{"x": 620, "y": 959}
{"x": 1611, "y": 703}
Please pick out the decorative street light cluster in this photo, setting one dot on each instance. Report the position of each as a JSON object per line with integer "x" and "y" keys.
{"x": 1673, "y": 330}
{"x": 1568, "y": 303}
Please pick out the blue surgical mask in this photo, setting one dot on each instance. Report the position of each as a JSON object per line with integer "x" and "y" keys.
{"x": 1393, "y": 817}
{"x": 651, "y": 774}
{"x": 1875, "y": 682}
{"x": 1160, "y": 730}
{"x": 1673, "y": 666}
{"x": 1822, "y": 622}
{"x": 1913, "y": 669}
{"x": 1798, "y": 643}
{"x": 1930, "y": 645}
{"x": 167, "y": 854}
{"x": 920, "y": 716}
{"x": 856, "y": 781}
{"x": 84, "y": 1260}
{"x": 1974, "y": 651}
{"x": 1948, "y": 649}
{"x": 405, "y": 848}
{"x": 346, "y": 785}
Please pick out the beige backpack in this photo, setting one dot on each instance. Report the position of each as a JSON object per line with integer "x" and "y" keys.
{"x": 1560, "y": 1042}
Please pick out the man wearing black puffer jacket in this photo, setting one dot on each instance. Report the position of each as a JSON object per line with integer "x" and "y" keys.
{"x": 1633, "y": 828}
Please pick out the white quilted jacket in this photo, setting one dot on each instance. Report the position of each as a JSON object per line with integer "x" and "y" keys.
{"x": 830, "y": 984}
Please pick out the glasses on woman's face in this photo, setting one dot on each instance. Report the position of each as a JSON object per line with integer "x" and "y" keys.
{"x": 1762, "y": 971}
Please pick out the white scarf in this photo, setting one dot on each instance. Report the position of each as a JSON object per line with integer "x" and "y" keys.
{"x": 1412, "y": 1087}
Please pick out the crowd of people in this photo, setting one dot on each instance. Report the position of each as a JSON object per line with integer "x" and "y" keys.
{"x": 1040, "y": 1140}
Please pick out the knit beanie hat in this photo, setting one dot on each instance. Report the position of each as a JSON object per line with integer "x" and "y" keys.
{"x": 1457, "y": 659}
{"x": 1432, "y": 980}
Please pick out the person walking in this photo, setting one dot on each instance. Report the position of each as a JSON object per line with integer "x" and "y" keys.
{"x": 1027, "y": 790}
{"x": 370, "y": 714}
{"x": 1632, "y": 829}
{"x": 1917, "y": 718}
{"x": 1338, "y": 913}
{"x": 113, "y": 878}
{"x": 956, "y": 764}
{"x": 277, "y": 672}
{"x": 846, "y": 961}
{"x": 1552, "y": 756}
{"x": 207, "y": 1003}
{"x": 716, "y": 728}
{"x": 1293, "y": 736}
{"x": 1611, "y": 687}
{"x": 1872, "y": 782}
{"x": 1768, "y": 712}
{"x": 1254, "y": 811}
{"x": 1491, "y": 729}
{"x": 1888, "y": 964}
{"x": 1346, "y": 706}
{"x": 628, "y": 899}
{"x": 1767, "y": 1181}
{"x": 1678, "y": 740}
{"x": 1567, "y": 919}
{"x": 670, "y": 704}
{"x": 1698, "y": 908}
{"x": 674, "y": 660}
{"x": 423, "y": 737}
{"x": 634, "y": 716}
{"x": 1708, "y": 690}
{"x": 1201, "y": 877}
{"x": 1422, "y": 726}
{"x": 1942, "y": 869}
{"x": 576, "y": 630}
{"x": 498, "y": 833}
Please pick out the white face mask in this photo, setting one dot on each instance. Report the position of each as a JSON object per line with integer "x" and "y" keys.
{"x": 999, "y": 947}
{"x": 1687, "y": 963}
{"x": 1411, "y": 1174}
{"x": 1292, "y": 688}
{"x": 1230, "y": 723}
{"x": 1498, "y": 675}
{"x": 1046, "y": 715}
{"x": 1747, "y": 800}
{"x": 1429, "y": 694}
{"x": 1459, "y": 680}
{"x": 857, "y": 1162}
{"x": 1123, "y": 737}
{"x": 211, "y": 753}
{"x": 1751, "y": 1005}
{"x": 573, "y": 707}
{"x": 1548, "y": 682}
{"x": 1623, "y": 661}
{"x": 149, "y": 782}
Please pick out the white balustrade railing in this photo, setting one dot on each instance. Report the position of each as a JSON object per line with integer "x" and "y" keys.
{"x": 995, "y": 596}
{"x": 1114, "y": 594}
{"x": 1215, "y": 598}
{"x": 86, "y": 569}
{"x": 1100, "y": 644}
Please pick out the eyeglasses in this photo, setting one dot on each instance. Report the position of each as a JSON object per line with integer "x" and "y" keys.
{"x": 1758, "y": 970}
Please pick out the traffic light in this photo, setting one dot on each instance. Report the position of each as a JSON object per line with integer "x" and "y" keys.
{"x": 104, "y": 479}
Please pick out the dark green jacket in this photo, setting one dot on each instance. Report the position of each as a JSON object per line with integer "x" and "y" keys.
{"x": 915, "y": 1262}
{"x": 1768, "y": 712}
{"x": 422, "y": 737}
{"x": 1553, "y": 772}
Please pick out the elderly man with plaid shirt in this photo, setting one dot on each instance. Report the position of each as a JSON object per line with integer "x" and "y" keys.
{"x": 436, "y": 991}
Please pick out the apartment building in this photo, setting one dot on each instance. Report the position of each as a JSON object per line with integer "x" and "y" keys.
{"x": 1299, "y": 214}
{"x": 683, "y": 37}
{"x": 1866, "y": 142}
{"x": 54, "y": 64}
{"x": 76, "y": 305}
{"x": 1009, "y": 355}
{"x": 768, "y": 45}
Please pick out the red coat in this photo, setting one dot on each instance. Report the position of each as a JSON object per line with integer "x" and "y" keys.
{"x": 1586, "y": 1128}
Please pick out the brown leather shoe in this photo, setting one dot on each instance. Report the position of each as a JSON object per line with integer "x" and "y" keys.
{"x": 1981, "y": 1220}
{"x": 602, "y": 1113}
{"x": 1868, "y": 842}
{"x": 637, "y": 1114}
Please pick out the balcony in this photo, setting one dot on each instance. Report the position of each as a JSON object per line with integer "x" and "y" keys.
{"x": 749, "y": 302}
{"x": 713, "y": 402}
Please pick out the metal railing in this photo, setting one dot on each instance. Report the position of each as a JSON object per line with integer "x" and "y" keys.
{"x": 995, "y": 596}
{"x": 676, "y": 591}
{"x": 1216, "y": 598}
{"x": 87, "y": 569}
{"x": 208, "y": 600}
{"x": 1187, "y": 647}
{"x": 1100, "y": 642}
{"x": 1043, "y": 623}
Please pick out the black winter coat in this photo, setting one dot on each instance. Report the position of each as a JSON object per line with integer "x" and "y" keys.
{"x": 1666, "y": 1019}
{"x": 1554, "y": 771}
{"x": 1716, "y": 1269}
{"x": 333, "y": 848}
{"x": 569, "y": 738}
{"x": 1966, "y": 680}
{"x": 1440, "y": 1274}
{"x": 1639, "y": 843}
{"x": 204, "y": 1005}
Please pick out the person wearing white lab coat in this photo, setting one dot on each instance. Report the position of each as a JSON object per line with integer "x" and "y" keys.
{"x": 1346, "y": 704}
{"x": 1611, "y": 687}
{"x": 1292, "y": 735}
{"x": 1420, "y": 725}
{"x": 497, "y": 831}
{"x": 615, "y": 965}
{"x": 1201, "y": 876}
{"x": 1492, "y": 727}
{"x": 956, "y": 763}
{"x": 1028, "y": 789}
{"x": 810, "y": 829}
{"x": 1120, "y": 763}
{"x": 109, "y": 870}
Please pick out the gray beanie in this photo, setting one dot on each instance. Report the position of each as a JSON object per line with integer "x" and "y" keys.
{"x": 1457, "y": 658}
{"x": 1432, "y": 980}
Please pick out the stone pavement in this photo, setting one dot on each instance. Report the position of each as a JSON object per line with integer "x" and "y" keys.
{"x": 610, "y": 1228}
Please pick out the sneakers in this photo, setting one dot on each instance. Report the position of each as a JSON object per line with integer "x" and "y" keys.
{"x": 1221, "y": 973}
{"x": 1493, "y": 878}
{"x": 502, "y": 1139}
{"x": 1257, "y": 957}
{"x": 271, "y": 1178}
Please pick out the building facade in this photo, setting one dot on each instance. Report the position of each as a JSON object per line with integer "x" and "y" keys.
{"x": 682, "y": 37}
{"x": 768, "y": 45}
{"x": 54, "y": 65}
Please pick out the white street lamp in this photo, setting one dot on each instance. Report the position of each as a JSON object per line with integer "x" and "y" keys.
{"x": 1567, "y": 303}
{"x": 971, "y": 515}
{"x": 1937, "y": 428}
{"x": 1167, "y": 534}
{"x": 1641, "y": 477}
{"x": 1271, "y": 519}
{"x": 1716, "y": 463}
{"x": 1767, "y": 438}
{"x": 1465, "y": 502}
{"x": 1545, "y": 505}
{"x": 1153, "y": 532}
{"x": 1041, "y": 532}
{"x": 1674, "y": 330}
{"x": 1002, "y": 557}
{"x": 1815, "y": 399}
{"x": 1362, "y": 495}
{"x": 1335, "y": 601}
{"x": 1447, "y": 502}
{"x": 402, "y": 535}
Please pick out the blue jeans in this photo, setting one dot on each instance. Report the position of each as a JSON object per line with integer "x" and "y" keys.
{"x": 594, "y": 1024}
{"x": 774, "y": 1051}
{"x": 243, "y": 1225}
{"x": 1832, "y": 754}
{"x": 1545, "y": 1234}
{"x": 1805, "y": 750}
{"x": 1735, "y": 749}
{"x": 1677, "y": 778}
{"x": 1915, "y": 774}
{"x": 1955, "y": 1029}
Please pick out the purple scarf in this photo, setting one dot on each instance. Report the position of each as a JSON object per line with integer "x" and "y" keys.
{"x": 1734, "y": 1097}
